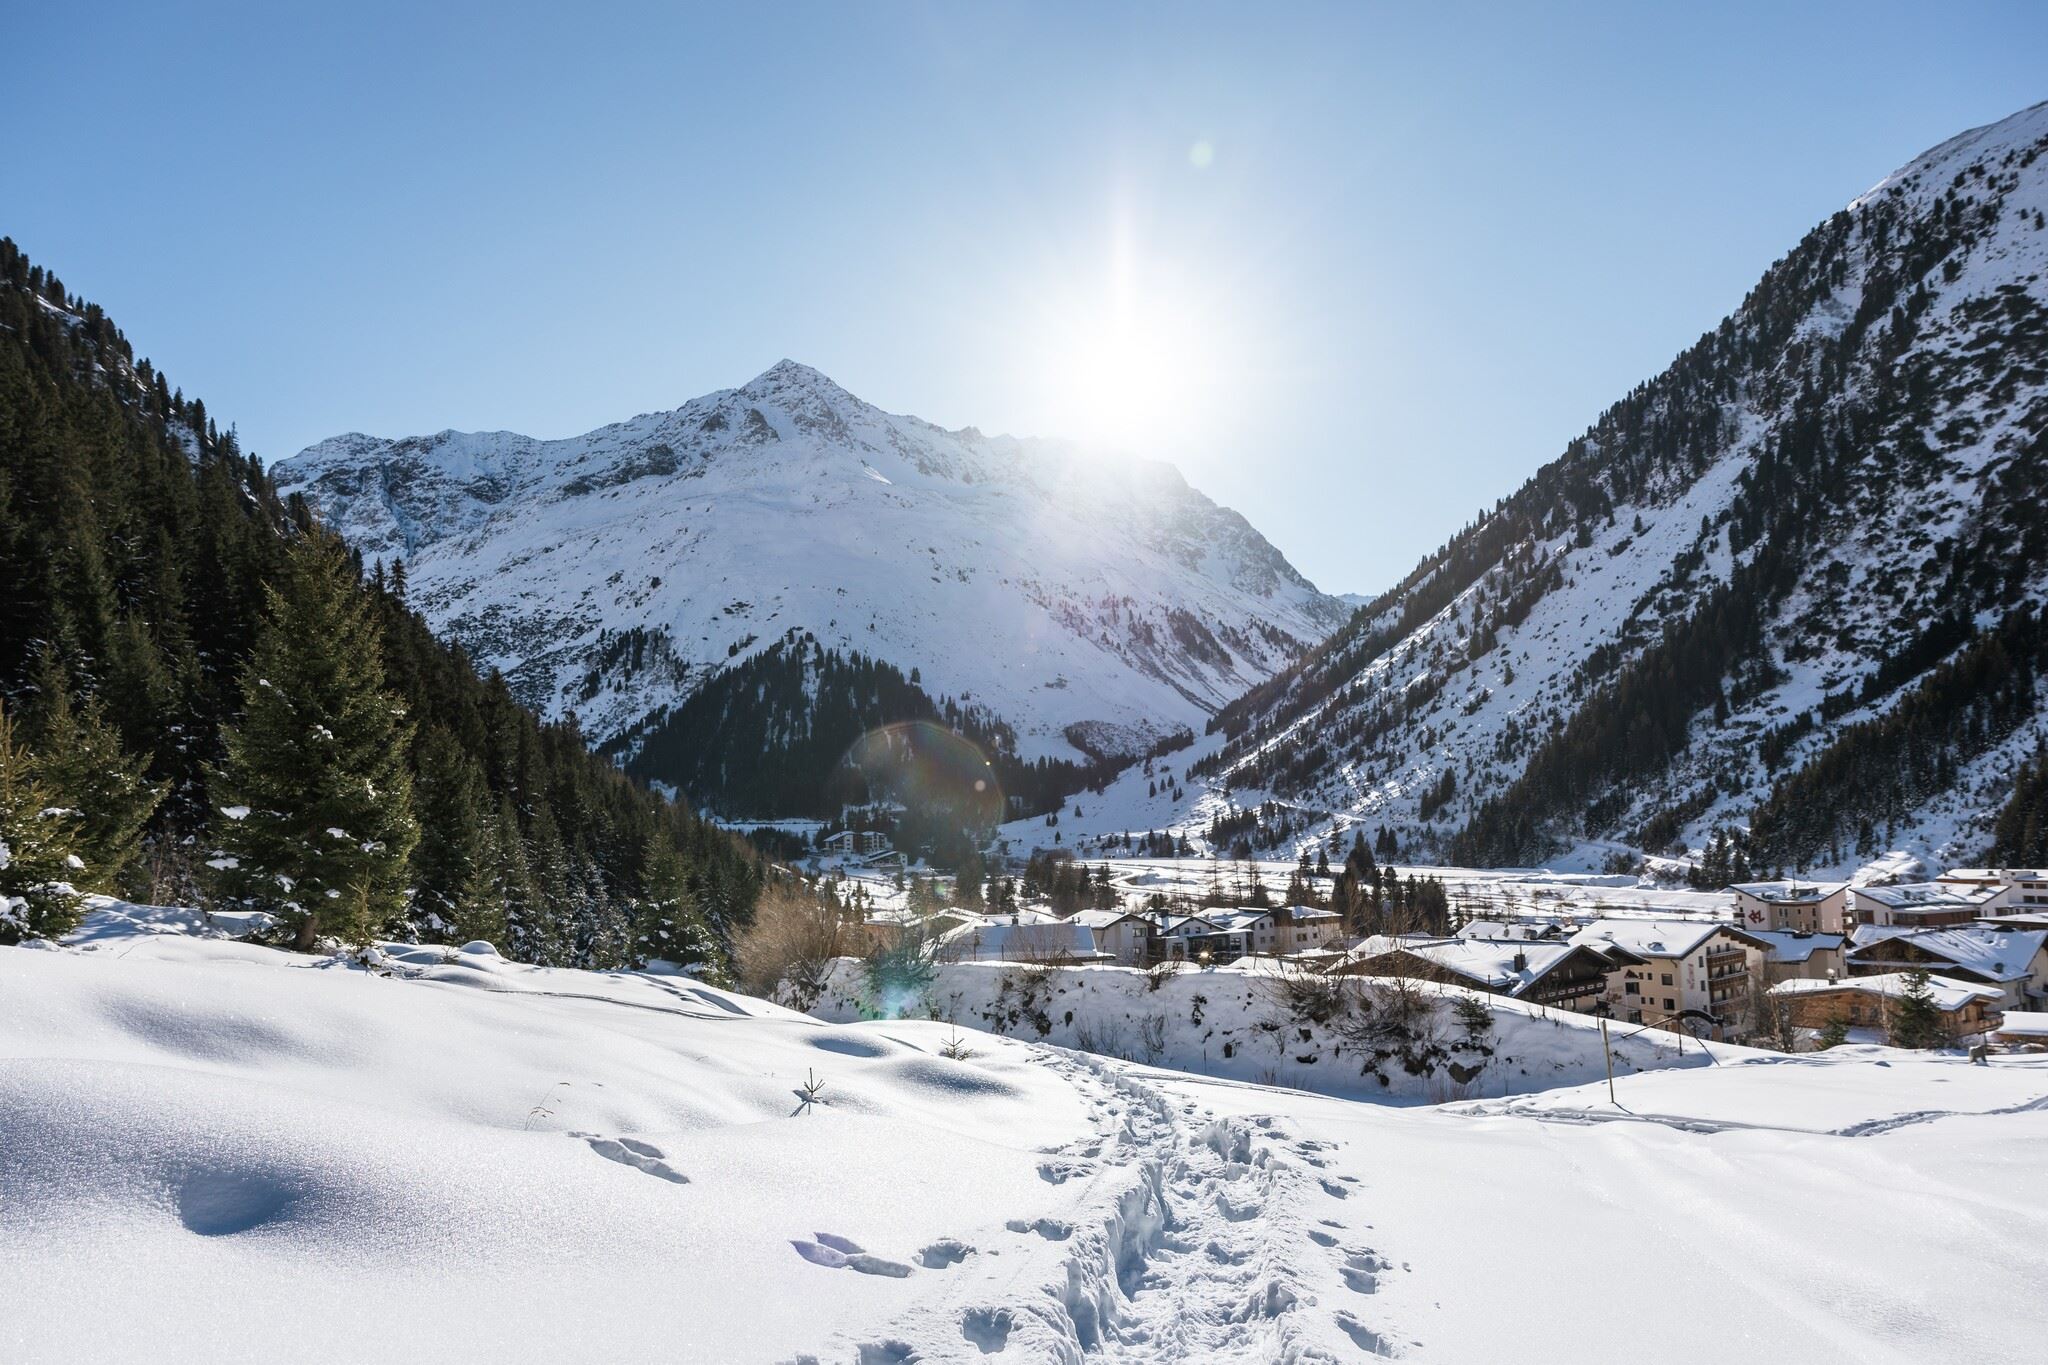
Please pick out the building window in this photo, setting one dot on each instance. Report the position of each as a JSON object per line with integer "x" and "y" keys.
{"x": 1667, "y": 978}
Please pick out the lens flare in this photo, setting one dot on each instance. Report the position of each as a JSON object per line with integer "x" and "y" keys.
{"x": 926, "y": 768}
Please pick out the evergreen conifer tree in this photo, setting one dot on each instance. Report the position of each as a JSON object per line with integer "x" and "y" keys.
{"x": 81, "y": 758}
{"x": 38, "y": 848}
{"x": 454, "y": 893}
{"x": 1916, "y": 1022}
{"x": 667, "y": 922}
{"x": 315, "y": 795}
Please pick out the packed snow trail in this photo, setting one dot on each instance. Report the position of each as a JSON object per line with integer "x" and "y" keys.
{"x": 1203, "y": 1240}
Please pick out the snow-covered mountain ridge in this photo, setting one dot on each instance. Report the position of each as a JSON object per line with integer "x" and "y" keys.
{"x": 1075, "y": 597}
{"x": 1792, "y": 581}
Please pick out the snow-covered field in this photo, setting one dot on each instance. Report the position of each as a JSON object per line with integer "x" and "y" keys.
{"x": 1477, "y": 892}
{"x": 216, "y": 1151}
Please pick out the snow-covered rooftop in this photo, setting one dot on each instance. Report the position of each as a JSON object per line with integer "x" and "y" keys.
{"x": 1984, "y": 950}
{"x": 1948, "y": 993}
{"x": 1914, "y": 895}
{"x": 1790, "y": 947}
{"x": 1790, "y": 892}
{"x": 1020, "y": 942}
{"x": 2025, "y": 1024}
{"x": 1654, "y": 937}
{"x": 1506, "y": 965}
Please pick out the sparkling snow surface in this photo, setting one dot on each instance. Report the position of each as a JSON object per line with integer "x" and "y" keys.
{"x": 213, "y": 1151}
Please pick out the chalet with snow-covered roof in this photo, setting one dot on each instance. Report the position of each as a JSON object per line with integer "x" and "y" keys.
{"x": 1699, "y": 967}
{"x": 1793, "y": 955}
{"x": 1188, "y": 937}
{"x": 2028, "y": 1028}
{"x": 1546, "y": 972}
{"x": 1126, "y": 938}
{"x": 1792, "y": 906}
{"x": 2014, "y": 962}
{"x": 1224, "y": 935}
{"x": 1921, "y": 905}
{"x": 887, "y": 927}
{"x": 1872, "y": 1002}
{"x": 2019, "y": 888}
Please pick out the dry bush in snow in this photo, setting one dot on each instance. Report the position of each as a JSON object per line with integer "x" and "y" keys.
{"x": 786, "y": 953}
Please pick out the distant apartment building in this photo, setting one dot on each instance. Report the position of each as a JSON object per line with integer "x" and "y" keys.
{"x": 1792, "y": 906}
{"x": 1703, "y": 967}
{"x": 1922, "y": 905}
{"x": 2021, "y": 888}
{"x": 1225, "y": 935}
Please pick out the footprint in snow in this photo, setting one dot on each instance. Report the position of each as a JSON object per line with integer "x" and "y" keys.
{"x": 641, "y": 1156}
{"x": 1051, "y": 1229}
{"x": 1364, "y": 1337}
{"x": 947, "y": 1251}
{"x": 988, "y": 1328}
{"x": 1361, "y": 1272}
{"x": 1060, "y": 1172}
{"x": 837, "y": 1253}
{"x": 1224, "y": 1255}
{"x": 1334, "y": 1190}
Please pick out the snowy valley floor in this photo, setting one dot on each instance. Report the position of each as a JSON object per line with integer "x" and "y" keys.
{"x": 214, "y": 1151}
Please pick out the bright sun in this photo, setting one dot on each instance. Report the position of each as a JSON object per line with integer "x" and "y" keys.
{"x": 1132, "y": 379}
{"x": 1132, "y": 350}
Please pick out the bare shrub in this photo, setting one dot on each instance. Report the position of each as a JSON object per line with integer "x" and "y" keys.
{"x": 786, "y": 953}
{"x": 1022, "y": 994}
{"x": 1767, "y": 1018}
{"x": 1398, "y": 1019}
{"x": 1152, "y": 1037}
{"x": 1310, "y": 997}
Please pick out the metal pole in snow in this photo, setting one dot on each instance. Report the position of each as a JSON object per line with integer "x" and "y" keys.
{"x": 1608, "y": 1052}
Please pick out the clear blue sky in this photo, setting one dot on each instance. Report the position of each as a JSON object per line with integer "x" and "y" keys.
{"x": 1358, "y": 270}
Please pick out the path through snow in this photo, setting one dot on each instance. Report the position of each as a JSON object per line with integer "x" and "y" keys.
{"x": 1199, "y": 1239}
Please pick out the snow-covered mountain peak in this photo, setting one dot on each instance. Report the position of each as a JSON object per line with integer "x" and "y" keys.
{"x": 1988, "y": 149}
{"x": 1090, "y": 603}
{"x": 786, "y": 378}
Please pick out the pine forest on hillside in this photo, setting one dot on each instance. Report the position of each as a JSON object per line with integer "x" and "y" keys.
{"x": 205, "y": 697}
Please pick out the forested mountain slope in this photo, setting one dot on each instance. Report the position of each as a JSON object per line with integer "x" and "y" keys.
{"x": 157, "y": 590}
{"x": 1084, "y": 607}
{"x": 1793, "y": 581}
